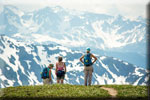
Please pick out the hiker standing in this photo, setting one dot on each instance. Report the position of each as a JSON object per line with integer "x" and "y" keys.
{"x": 46, "y": 74}
{"x": 88, "y": 68}
{"x": 60, "y": 70}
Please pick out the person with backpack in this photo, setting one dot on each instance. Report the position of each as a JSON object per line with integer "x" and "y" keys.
{"x": 86, "y": 59}
{"x": 60, "y": 70}
{"x": 46, "y": 74}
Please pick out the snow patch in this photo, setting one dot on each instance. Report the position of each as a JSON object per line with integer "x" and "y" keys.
{"x": 53, "y": 48}
{"x": 8, "y": 68}
{"x": 116, "y": 67}
{"x": 63, "y": 53}
{"x": 137, "y": 72}
{"x": 103, "y": 57}
{"x": 119, "y": 79}
{"x": 66, "y": 19}
{"x": 42, "y": 55}
{"x": 137, "y": 81}
{"x": 28, "y": 63}
{"x": 33, "y": 78}
{"x": 125, "y": 63}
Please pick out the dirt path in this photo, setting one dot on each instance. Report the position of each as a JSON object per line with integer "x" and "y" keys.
{"x": 111, "y": 91}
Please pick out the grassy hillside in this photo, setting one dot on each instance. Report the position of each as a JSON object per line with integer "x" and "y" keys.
{"x": 74, "y": 92}
{"x": 129, "y": 91}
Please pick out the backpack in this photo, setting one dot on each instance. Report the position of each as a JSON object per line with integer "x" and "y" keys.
{"x": 87, "y": 59}
{"x": 45, "y": 73}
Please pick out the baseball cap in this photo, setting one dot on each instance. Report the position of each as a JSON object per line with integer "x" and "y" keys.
{"x": 88, "y": 49}
{"x": 51, "y": 65}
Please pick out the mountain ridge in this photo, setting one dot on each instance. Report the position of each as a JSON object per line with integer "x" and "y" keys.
{"x": 76, "y": 29}
{"x": 22, "y": 63}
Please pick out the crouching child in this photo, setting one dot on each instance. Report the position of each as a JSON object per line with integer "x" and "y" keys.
{"x": 46, "y": 74}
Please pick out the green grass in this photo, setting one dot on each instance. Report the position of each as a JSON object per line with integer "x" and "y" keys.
{"x": 55, "y": 91}
{"x": 129, "y": 91}
{"x": 75, "y": 92}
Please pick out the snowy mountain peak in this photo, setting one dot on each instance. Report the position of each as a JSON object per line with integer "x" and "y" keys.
{"x": 57, "y": 9}
{"x": 9, "y": 9}
{"x": 21, "y": 64}
{"x": 77, "y": 29}
{"x": 122, "y": 31}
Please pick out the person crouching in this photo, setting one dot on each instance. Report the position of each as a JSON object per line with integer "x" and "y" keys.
{"x": 47, "y": 74}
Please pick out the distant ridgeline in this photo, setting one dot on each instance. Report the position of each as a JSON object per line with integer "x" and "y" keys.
{"x": 115, "y": 36}
{"x": 21, "y": 64}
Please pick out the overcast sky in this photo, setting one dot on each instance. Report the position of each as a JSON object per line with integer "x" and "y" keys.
{"x": 127, "y": 8}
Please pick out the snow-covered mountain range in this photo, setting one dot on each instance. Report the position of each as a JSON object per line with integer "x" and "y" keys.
{"x": 21, "y": 64}
{"x": 108, "y": 35}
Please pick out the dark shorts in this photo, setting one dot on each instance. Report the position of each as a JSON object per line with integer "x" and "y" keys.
{"x": 59, "y": 77}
